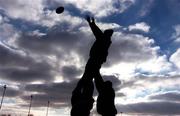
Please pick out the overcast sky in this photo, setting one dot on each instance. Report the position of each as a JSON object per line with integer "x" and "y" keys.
{"x": 44, "y": 54}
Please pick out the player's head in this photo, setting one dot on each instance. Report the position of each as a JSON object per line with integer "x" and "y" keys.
{"x": 108, "y": 84}
{"x": 108, "y": 32}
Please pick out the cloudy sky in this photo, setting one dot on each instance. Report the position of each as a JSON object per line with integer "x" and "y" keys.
{"x": 44, "y": 54}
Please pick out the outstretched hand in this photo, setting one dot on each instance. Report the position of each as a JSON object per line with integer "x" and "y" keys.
{"x": 88, "y": 18}
{"x": 93, "y": 19}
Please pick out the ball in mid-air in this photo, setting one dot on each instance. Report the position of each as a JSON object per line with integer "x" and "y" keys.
{"x": 60, "y": 10}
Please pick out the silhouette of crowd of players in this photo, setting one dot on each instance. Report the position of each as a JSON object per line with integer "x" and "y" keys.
{"x": 82, "y": 96}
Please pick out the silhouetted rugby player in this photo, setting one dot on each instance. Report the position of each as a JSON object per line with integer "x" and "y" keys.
{"x": 105, "y": 101}
{"x": 82, "y": 96}
{"x": 99, "y": 50}
{"x": 98, "y": 55}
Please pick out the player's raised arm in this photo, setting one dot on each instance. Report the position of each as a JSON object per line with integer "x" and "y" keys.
{"x": 95, "y": 29}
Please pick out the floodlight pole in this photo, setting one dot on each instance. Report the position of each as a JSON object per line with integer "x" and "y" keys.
{"x": 3, "y": 96}
{"x": 47, "y": 108}
{"x": 30, "y": 105}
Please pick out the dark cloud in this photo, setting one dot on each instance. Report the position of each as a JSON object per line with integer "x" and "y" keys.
{"x": 11, "y": 92}
{"x": 18, "y": 67}
{"x": 168, "y": 96}
{"x": 41, "y": 100}
{"x": 120, "y": 95}
{"x": 25, "y": 75}
{"x": 70, "y": 72}
{"x": 150, "y": 108}
{"x": 10, "y": 57}
{"x": 66, "y": 46}
{"x": 54, "y": 92}
{"x": 56, "y": 41}
{"x": 22, "y": 68}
